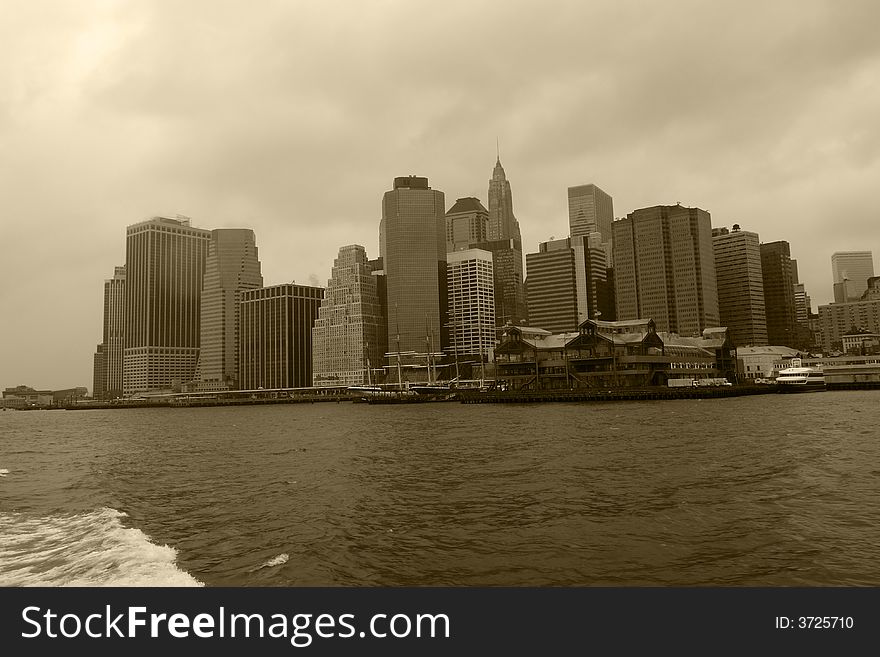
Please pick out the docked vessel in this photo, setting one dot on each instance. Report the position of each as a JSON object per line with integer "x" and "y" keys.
{"x": 798, "y": 378}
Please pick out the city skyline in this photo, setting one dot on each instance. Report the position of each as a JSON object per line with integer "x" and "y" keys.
{"x": 125, "y": 112}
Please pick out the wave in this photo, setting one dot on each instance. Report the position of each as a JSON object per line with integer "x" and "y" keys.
{"x": 87, "y": 549}
{"x": 279, "y": 560}
{"x": 3, "y": 472}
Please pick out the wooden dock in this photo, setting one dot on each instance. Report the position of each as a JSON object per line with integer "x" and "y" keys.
{"x": 620, "y": 394}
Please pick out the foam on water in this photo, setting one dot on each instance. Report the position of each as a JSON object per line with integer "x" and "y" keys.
{"x": 279, "y": 560}
{"x": 88, "y": 549}
{"x": 3, "y": 472}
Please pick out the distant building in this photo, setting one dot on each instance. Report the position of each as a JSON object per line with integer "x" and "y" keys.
{"x": 873, "y": 291}
{"x": 839, "y": 319}
{"x": 740, "y": 285}
{"x": 861, "y": 344}
{"x": 466, "y": 223}
{"x": 664, "y": 268}
{"x": 24, "y": 397}
{"x": 502, "y": 222}
{"x": 504, "y": 241}
{"x": 471, "y": 304}
{"x": 99, "y": 373}
{"x": 850, "y": 271}
{"x": 591, "y": 211}
{"x": 232, "y": 266}
{"x": 567, "y": 283}
{"x": 108, "y": 380}
{"x": 779, "y": 280}
{"x": 348, "y": 336}
{"x": 276, "y": 336}
{"x": 507, "y": 267}
{"x": 413, "y": 249}
{"x": 551, "y": 287}
{"x": 757, "y": 362}
{"x": 165, "y": 266}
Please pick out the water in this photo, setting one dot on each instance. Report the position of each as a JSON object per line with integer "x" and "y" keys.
{"x": 767, "y": 490}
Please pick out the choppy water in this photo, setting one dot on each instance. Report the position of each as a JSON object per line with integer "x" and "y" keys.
{"x": 769, "y": 490}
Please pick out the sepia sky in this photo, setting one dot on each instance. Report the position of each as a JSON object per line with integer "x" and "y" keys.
{"x": 292, "y": 118}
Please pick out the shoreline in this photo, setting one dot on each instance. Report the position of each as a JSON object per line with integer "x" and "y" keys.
{"x": 469, "y": 397}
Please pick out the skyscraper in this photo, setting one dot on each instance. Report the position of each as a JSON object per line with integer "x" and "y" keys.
{"x": 346, "y": 338}
{"x": 466, "y": 223}
{"x": 275, "y": 349}
{"x": 471, "y": 303}
{"x": 664, "y": 269}
{"x": 109, "y": 357}
{"x": 99, "y": 374}
{"x": 502, "y": 222}
{"x": 851, "y": 271}
{"x": 565, "y": 283}
{"x": 590, "y": 210}
{"x": 505, "y": 243}
{"x": 740, "y": 285}
{"x": 165, "y": 266}
{"x": 232, "y": 266}
{"x": 414, "y": 257}
{"x": 777, "y": 272}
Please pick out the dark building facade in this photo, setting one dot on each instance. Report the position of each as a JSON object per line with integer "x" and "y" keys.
{"x": 276, "y": 336}
{"x": 510, "y": 306}
{"x": 778, "y": 277}
{"x": 740, "y": 285}
{"x": 108, "y": 381}
{"x": 466, "y": 223}
{"x": 567, "y": 284}
{"x": 664, "y": 268}
{"x": 164, "y": 269}
{"x": 626, "y": 354}
{"x": 232, "y": 265}
{"x": 413, "y": 249}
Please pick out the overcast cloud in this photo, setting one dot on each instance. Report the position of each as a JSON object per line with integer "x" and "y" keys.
{"x": 292, "y": 118}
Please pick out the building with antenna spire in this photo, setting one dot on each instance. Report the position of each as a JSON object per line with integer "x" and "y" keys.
{"x": 503, "y": 240}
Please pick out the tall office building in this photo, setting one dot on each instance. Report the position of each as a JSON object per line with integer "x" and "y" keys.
{"x": 108, "y": 358}
{"x": 377, "y": 269}
{"x": 99, "y": 374}
{"x": 414, "y": 256}
{"x": 275, "y": 349}
{"x": 471, "y": 303}
{"x": 502, "y": 222}
{"x": 507, "y": 267}
{"x": 778, "y": 275}
{"x": 165, "y": 267}
{"x": 232, "y": 266}
{"x": 505, "y": 243}
{"x": 590, "y": 210}
{"x": 466, "y": 223}
{"x": 565, "y": 284}
{"x": 346, "y": 340}
{"x": 851, "y": 271}
{"x": 839, "y": 319}
{"x": 740, "y": 285}
{"x": 664, "y": 269}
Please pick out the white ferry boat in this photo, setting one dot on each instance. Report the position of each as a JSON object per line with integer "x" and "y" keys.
{"x": 797, "y": 378}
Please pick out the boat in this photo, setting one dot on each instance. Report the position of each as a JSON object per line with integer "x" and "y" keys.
{"x": 798, "y": 378}
{"x": 431, "y": 389}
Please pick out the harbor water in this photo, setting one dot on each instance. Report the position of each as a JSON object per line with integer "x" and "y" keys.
{"x": 776, "y": 490}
